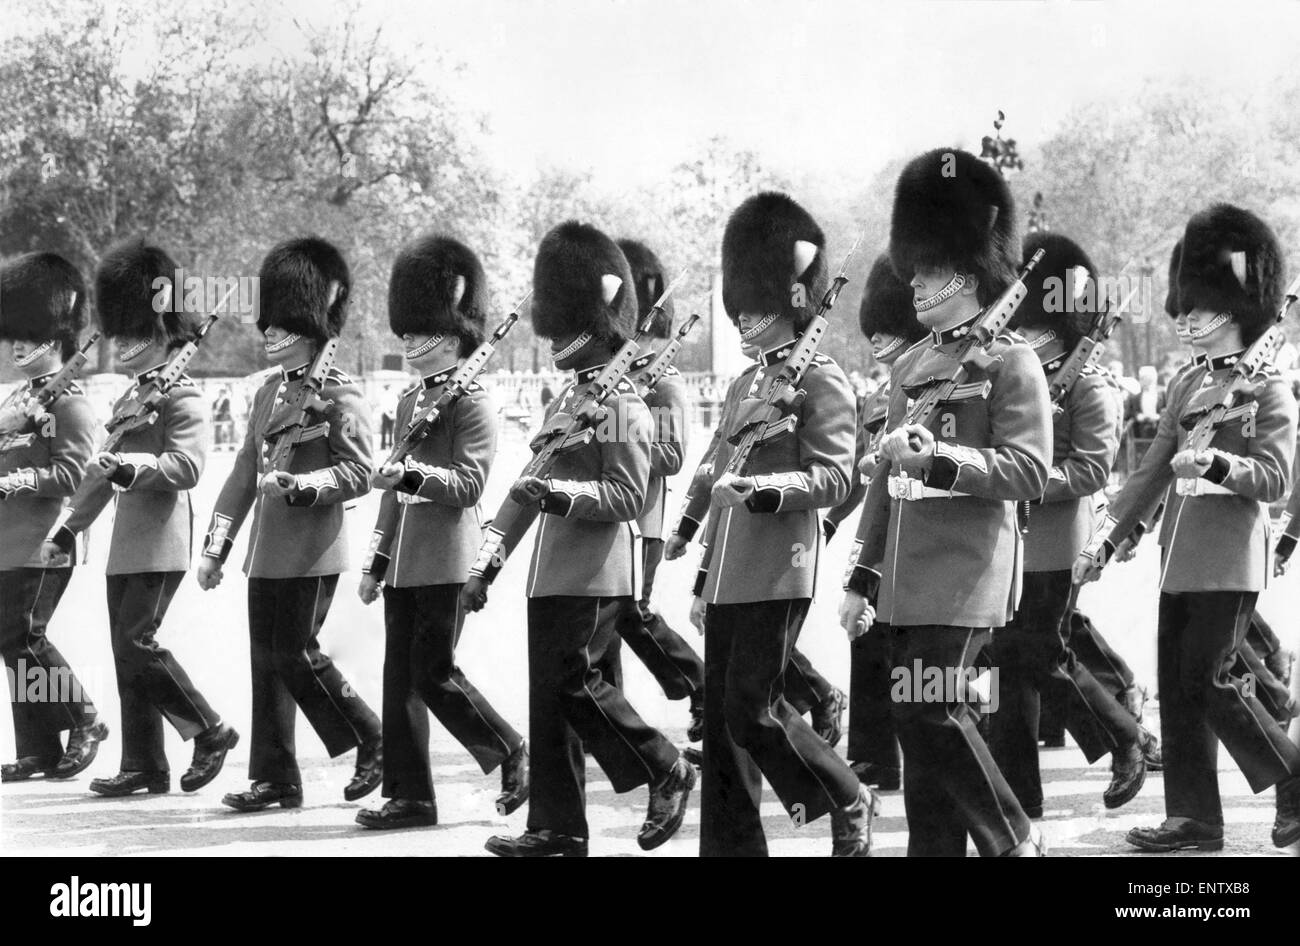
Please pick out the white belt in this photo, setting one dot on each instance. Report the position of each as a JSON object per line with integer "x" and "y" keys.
{"x": 407, "y": 499}
{"x": 1199, "y": 486}
{"x": 909, "y": 488}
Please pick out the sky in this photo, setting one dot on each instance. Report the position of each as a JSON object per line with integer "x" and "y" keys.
{"x": 628, "y": 88}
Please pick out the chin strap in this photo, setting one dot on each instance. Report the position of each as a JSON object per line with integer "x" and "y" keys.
{"x": 134, "y": 351}
{"x": 433, "y": 342}
{"x": 283, "y": 343}
{"x": 889, "y": 349}
{"x": 1042, "y": 341}
{"x": 571, "y": 349}
{"x": 955, "y": 285}
{"x": 1220, "y": 320}
{"x": 759, "y": 327}
{"x": 35, "y": 353}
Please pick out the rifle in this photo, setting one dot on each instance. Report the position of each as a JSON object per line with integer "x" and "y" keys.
{"x": 776, "y": 418}
{"x": 564, "y": 432}
{"x": 455, "y": 389}
{"x": 288, "y": 426}
{"x": 1085, "y": 353}
{"x": 33, "y": 404}
{"x": 655, "y": 371}
{"x": 141, "y": 409}
{"x": 1218, "y": 406}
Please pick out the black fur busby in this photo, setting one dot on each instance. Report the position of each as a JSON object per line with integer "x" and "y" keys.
{"x": 1172, "y": 308}
{"x": 952, "y": 210}
{"x": 1231, "y": 262}
{"x": 42, "y": 297}
{"x": 574, "y": 289}
{"x": 887, "y": 304}
{"x": 136, "y": 295}
{"x": 651, "y": 281}
{"x": 422, "y": 291}
{"x": 1062, "y": 292}
{"x": 305, "y": 287}
{"x": 770, "y": 246}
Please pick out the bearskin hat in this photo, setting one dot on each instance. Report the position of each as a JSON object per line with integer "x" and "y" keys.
{"x": 952, "y": 210}
{"x": 1231, "y": 262}
{"x": 648, "y": 275}
{"x": 1171, "y": 291}
{"x": 304, "y": 287}
{"x": 42, "y": 297}
{"x": 887, "y": 304}
{"x": 135, "y": 295}
{"x": 582, "y": 283}
{"x": 1062, "y": 292}
{"x": 771, "y": 244}
{"x": 422, "y": 292}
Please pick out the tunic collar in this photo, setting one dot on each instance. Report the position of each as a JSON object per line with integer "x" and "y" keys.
{"x": 642, "y": 362}
{"x": 776, "y": 355}
{"x": 439, "y": 377}
{"x": 588, "y": 375}
{"x": 295, "y": 374}
{"x": 954, "y": 334}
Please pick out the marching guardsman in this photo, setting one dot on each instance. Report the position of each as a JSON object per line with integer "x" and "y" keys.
{"x": 762, "y": 543}
{"x": 299, "y": 542}
{"x": 427, "y": 536}
{"x": 42, "y": 461}
{"x": 673, "y": 662}
{"x": 804, "y": 688}
{"x": 1217, "y": 542}
{"x": 150, "y": 474}
{"x": 888, "y": 320}
{"x": 942, "y": 516}
{"x": 582, "y": 573}
{"x": 1031, "y": 653}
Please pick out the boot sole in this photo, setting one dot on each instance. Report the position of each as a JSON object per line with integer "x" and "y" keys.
{"x": 157, "y": 788}
{"x": 508, "y": 808}
{"x": 666, "y": 833}
{"x": 231, "y": 742}
{"x": 504, "y": 853}
{"x": 248, "y": 809}
{"x": 399, "y": 825}
{"x": 1287, "y": 839}
{"x": 1215, "y": 844}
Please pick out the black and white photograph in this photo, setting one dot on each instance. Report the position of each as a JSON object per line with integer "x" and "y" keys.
{"x": 651, "y": 428}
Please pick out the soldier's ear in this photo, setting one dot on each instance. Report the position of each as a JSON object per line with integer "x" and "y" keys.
{"x": 457, "y": 292}
{"x": 609, "y": 286}
{"x": 805, "y": 252}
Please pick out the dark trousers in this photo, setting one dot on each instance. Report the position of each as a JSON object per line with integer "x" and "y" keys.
{"x": 674, "y": 664}
{"x": 150, "y": 681}
{"x": 284, "y": 620}
{"x": 872, "y": 734}
{"x": 951, "y": 784}
{"x": 28, "y": 597}
{"x": 571, "y": 705}
{"x": 1204, "y": 702}
{"x": 1032, "y": 657}
{"x": 752, "y": 732}
{"x": 422, "y": 627}
{"x": 1102, "y": 660}
{"x": 1261, "y": 643}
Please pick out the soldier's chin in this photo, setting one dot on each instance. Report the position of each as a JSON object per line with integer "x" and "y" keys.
{"x": 22, "y": 361}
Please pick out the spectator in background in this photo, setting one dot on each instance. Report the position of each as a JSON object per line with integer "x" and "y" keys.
{"x": 1127, "y": 384}
{"x": 223, "y": 419}
{"x": 1143, "y": 409}
{"x": 387, "y": 418}
{"x": 547, "y": 395}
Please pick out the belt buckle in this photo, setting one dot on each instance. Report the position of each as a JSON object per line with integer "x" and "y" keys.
{"x": 907, "y": 488}
{"x": 410, "y": 499}
{"x": 1188, "y": 486}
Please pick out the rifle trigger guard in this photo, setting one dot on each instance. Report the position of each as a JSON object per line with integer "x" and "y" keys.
{"x": 553, "y": 428}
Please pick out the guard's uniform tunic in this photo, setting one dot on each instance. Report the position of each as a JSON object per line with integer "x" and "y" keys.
{"x": 45, "y": 464}
{"x": 148, "y": 555}
{"x": 1032, "y": 652}
{"x": 582, "y": 576}
{"x": 757, "y": 578}
{"x": 1216, "y": 561}
{"x": 423, "y": 545}
{"x": 951, "y": 573}
{"x": 296, "y": 551}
